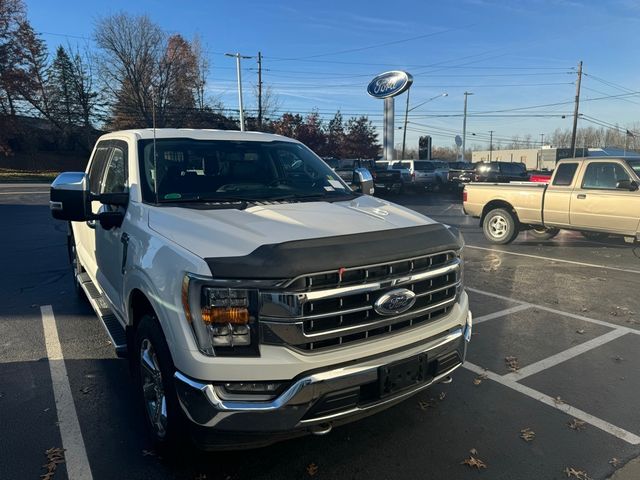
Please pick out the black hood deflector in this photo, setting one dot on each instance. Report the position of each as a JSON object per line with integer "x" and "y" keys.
{"x": 298, "y": 257}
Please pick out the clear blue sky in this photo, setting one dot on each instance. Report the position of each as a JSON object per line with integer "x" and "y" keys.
{"x": 321, "y": 55}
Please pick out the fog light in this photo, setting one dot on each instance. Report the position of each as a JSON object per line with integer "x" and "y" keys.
{"x": 251, "y": 387}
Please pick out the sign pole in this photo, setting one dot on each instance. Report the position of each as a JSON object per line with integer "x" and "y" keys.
{"x": 389, "y": 114}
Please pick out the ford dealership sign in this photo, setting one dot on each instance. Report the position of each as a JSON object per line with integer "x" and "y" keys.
{"x": 389, "y": 84}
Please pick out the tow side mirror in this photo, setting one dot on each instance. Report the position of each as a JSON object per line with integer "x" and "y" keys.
{"x": 363, "y": 180}
{"x": 629, "y": 185}
{"x": 69, "y": 198}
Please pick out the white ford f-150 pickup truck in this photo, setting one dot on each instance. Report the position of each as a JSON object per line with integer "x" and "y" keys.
{"x": 256, "y": 296}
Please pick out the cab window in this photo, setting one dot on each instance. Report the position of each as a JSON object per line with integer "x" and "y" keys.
{"x": 98, "y": 162}
{"x": 565, "y": 173}
{"x": 115, "y": 178}
{"x": 601, "y": 175}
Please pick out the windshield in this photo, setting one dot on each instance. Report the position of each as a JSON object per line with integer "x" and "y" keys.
{"x": 428, "y": 166}
{"x": 199, "y": 170}
{"x": 635, "y": 164}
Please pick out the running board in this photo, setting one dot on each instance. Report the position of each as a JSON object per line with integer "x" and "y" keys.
{"x": 114, "y": 329}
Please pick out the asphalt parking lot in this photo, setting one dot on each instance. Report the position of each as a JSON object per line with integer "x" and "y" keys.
{"x": 554, "y": 358}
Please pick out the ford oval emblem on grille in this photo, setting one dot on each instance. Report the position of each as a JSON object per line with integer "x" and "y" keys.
{"x": 395, "y": 302}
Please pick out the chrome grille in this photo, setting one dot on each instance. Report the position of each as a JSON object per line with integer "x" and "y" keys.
{"x": 330, "y": 309}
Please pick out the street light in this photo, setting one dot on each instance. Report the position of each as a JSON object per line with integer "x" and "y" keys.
{"x": 464, "y": 125}
{"x": 406, "y": 116}
{"x": 240, "y": 108}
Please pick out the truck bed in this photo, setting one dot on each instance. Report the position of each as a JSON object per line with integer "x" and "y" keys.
{"x": 524, "y": 197}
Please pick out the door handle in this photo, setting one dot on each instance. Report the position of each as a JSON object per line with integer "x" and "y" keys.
{"x": 582, "y": 196}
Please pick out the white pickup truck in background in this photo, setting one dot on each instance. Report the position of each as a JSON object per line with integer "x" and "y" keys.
{"x": 256, "y": 296}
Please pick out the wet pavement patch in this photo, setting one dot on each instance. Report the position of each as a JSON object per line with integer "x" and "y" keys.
{"x": 530, "y": 335}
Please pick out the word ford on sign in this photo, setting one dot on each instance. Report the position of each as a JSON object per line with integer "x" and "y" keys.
{"x": 389, "y": 84}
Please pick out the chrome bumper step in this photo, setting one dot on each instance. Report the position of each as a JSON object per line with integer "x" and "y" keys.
{"x": 114, "y": 329}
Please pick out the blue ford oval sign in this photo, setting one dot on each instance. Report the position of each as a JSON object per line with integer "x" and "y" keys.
{"x": 395, "y": 302}
{"x": 389, "y": 84}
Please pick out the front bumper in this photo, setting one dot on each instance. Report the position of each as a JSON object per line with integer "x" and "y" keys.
{"x": 314, "y": 401}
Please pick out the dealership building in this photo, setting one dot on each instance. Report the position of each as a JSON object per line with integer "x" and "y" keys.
{"x": 544, "y": 158}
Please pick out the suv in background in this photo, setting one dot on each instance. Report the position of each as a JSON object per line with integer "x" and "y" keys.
{"x": 423, "y": 174}
{"x": 500, "y": 172}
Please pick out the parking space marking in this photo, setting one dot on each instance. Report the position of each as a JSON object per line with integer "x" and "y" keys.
{"x": 76, "y": 459}
{"x": 603, "y": 425}
{"x": 551, "y": 259}
{"x": 564, "y": 355}
{"x": 502, "y": 313}
{"x": 556, "y": 311}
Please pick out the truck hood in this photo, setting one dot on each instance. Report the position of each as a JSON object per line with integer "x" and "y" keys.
{"x": 232, "y": 232}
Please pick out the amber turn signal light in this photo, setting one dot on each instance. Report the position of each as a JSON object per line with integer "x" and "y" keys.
{"x": 233, "y": 315}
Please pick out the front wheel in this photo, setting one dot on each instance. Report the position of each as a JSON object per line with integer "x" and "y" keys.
{"x": 153, "y": 373}
{"x": 543, "y": 233}
{"x": 500, "y": 226}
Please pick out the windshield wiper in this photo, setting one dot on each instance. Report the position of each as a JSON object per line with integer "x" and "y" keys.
{"x": 319, "y": 196}
{"x": 223, "y": 202}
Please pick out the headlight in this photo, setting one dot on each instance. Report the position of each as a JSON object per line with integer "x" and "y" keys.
{"x": 224, "y": 320}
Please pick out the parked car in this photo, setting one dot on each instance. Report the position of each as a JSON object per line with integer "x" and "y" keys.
{"x": 358, "y": 173}
{"x": 391, "y": 180}
{"x": 596, "y": 196}
{"x": 458, "y": 170}
{"x": 500, "y": 172}
{"x": 541, "y": 176}
{"x": 256, "y": 295}
{"x": 422, "y": 174}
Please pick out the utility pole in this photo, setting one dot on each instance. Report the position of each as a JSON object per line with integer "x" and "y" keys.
{"x": 404, "y": 130}
{"x": 260, "y": 89}
{"x": 239, "y": 74}
{"x": 539, "y": 165}
{"x": 464, "y": 125}
{"x": 576, "y": 111}
{"x": 490, "y": 145}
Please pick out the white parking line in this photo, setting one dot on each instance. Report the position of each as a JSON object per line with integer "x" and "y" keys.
{"x": 563, "y": 407}
{"x": 502, "y": 313}
{"x": 551, "y": 259}
{"x": 556, "y": 311}
{"x": 564, "y": 355}
{"x": 76, "y": 459}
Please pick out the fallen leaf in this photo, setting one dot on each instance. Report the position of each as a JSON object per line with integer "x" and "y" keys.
{"x": 428, "y": 404}
{"x": 614, "y": 462}
{"x": 512, "y": 363}
{"x": 312, "y": 469}
{"x": 474, "y": 452}
{"x": 87, "y": 389}
{"x": 584, "y": 309}
{"x": 618, "y": 359}
{"x": 527, "y": 434}
{"x": 55, "y": 457}
{"x": 442, "y": 396}
{"x": 148, "y": 453}
{"x": 200, "y": 476}
{"x": 558, "y": 400}
{"x": 581, "y": 331}
{"x": 575, "y": 473}
{"x": 576, "y": 424}
{"x": 473, "y": 462}
{"x": 478, "y": 380}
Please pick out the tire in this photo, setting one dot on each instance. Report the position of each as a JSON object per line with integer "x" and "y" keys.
{"x": 500, "y": 226}
{"x": 543, "y": 233}
{"x": 594, "y": 236}
{"x": 76, "y": 267}
{"x": 153, "y": 375}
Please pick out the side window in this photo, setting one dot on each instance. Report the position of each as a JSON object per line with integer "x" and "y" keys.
{"x": 564, "y": 174}
{"x": 115, "y": 178}
{"x": 97, "y": 166}
{"x": 604, "y": 175}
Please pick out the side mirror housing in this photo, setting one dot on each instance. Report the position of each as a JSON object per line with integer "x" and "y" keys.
{"x": 630, "y": 185}
{"x": 69, "y": 198}
{"x": 363, "y": 181}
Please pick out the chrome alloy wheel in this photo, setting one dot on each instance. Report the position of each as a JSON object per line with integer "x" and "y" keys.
{"x": 498, "y": 227}
{"x": 155, "y": 400}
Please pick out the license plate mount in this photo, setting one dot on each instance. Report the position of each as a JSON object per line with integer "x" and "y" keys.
{"x": 402, "y": 374}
